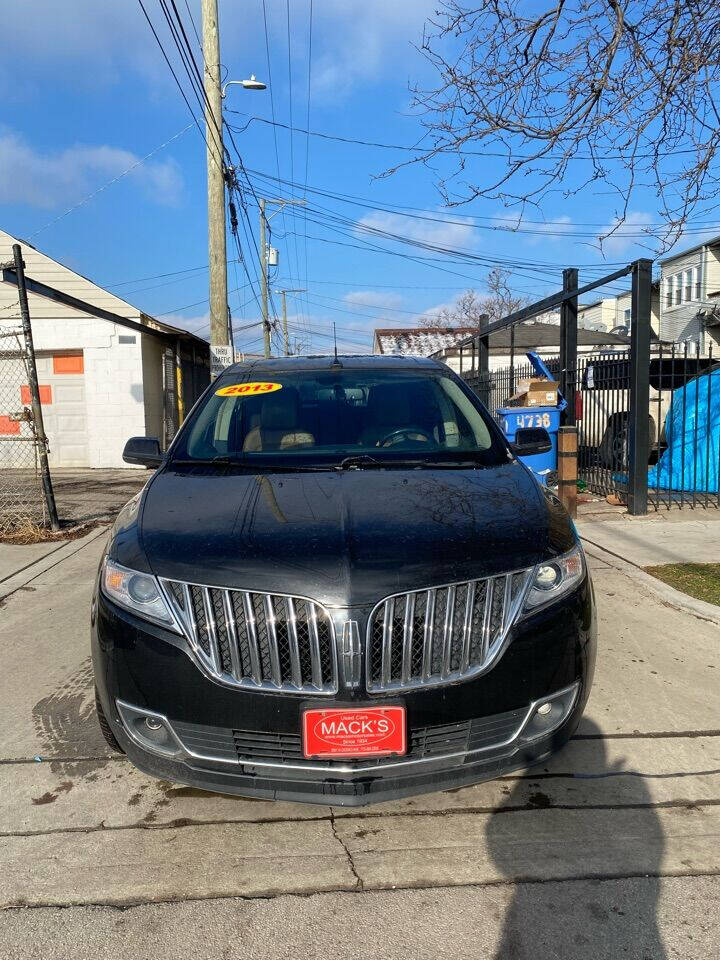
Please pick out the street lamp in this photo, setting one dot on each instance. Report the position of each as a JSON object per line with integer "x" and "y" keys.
{"x": 251, "y": 84}
{"x": 220, "y": 334}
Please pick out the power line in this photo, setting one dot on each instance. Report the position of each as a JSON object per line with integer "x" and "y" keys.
{"x": 454, "y": 151}
{"x": 172, "y": 71}
{"x": 419, "y": 213}
{"x": 275, "y": 139}
{"x": 307, "y": 138}
{"x": 194, "y": 26}
{"x": 292, "y": 142}
{"x": 109, "y": 183}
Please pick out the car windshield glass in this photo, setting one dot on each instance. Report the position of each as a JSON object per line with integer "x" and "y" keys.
{"x": 348, "y": 418}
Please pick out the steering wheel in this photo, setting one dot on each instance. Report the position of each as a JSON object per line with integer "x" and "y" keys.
{"x": 405, "y": 433}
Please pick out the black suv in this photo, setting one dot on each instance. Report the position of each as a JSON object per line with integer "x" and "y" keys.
{"x": 342, "y": 586}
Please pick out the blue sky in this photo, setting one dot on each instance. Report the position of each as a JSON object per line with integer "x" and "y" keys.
{"x": 86, "y": 94}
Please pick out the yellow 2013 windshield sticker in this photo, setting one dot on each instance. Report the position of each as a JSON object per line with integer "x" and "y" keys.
{"x": 247, "y": 389}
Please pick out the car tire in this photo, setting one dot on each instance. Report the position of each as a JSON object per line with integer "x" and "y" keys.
{"x": 615, "y": 444}
{"x": 105, "y": 727}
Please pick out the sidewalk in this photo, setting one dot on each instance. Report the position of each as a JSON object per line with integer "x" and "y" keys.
{"x": 655, "y": 539}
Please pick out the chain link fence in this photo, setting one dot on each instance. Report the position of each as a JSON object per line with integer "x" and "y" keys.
{"x": 22, "y": 501}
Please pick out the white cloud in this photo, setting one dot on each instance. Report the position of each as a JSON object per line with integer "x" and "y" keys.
{"x": 199, "y": 324}
{"x": 433, "y": 313}
{"x": 97, "y": 41}
{"x": 371, "y": 298}
{"x": 459, "y": 232}
{"x": 535, "y": 233}
{"x": 627, "y": 235}
{"x": 363, "y": 41}
{"x": 91, "y": 43}
{"x": 58, "y": 178}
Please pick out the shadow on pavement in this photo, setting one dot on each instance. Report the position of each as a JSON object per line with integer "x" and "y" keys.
{"x": 588, "y": 919}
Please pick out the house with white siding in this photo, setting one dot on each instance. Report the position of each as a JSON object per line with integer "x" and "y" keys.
{"x": 607, "y": 313}
{"x": 101, "y": 380}
{"x": 690, "y": 295}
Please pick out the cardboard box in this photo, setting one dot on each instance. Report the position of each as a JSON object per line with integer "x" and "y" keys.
{"x": 535, "y": 392}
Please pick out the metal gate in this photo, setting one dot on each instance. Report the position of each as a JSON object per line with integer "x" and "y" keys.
{"x": 26, "y": 491}
{"x": 647, "y": 416}
{"x": 21, "y": 489}
{"x": 683, "y": 425}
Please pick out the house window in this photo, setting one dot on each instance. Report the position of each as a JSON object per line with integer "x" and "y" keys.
{"x": 668, "y": 292}
{"x": 677, "y": 281}
{"x": 626, "y": 316}
{"x": 698, "y": 285}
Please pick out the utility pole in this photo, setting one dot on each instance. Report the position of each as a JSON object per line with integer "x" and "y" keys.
{"x": 264, "y": 278}
{"x": 217, "y": 255}
{"x": 38, "y": 426}
{"x": 264, "y": 261}
{"x": 283, "y": 294}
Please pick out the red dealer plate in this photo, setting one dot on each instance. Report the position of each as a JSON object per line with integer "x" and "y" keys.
{"x": 371, "y": 732}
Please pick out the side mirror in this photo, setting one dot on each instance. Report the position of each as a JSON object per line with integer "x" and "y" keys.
{"x": 144, "y": 451}
{"x": 531, "y": 440}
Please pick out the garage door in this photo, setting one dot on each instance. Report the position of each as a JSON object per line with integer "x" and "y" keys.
{"x": 62, "y": 395}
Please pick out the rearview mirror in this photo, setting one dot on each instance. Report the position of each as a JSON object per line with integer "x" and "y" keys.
{"x": 144, "y": 451}
{"x": 531, "y": 440}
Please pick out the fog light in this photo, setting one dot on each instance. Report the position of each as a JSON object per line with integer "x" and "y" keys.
{"x": 550, "y": 714}
{"x": 151, "y": 731}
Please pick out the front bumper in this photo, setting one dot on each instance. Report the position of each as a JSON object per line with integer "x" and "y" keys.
{"x": 474, "y": 728}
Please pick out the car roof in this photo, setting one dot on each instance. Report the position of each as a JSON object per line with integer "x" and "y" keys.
{"x": 327, "y": 361}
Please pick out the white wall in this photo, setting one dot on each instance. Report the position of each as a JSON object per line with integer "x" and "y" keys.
{"x": 682, "y": 322}
{"x": 113, "y": 372}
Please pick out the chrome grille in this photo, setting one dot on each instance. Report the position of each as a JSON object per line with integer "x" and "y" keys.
{"x": 443, "y": 634}
{"x": 263, "y": 641}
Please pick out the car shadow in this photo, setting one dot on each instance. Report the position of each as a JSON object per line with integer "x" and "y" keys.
{"x": 610, "y": 909}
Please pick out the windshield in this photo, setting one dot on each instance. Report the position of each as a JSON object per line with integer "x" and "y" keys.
{"x": 328, "y": 416}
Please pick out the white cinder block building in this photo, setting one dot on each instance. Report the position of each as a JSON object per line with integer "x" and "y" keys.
{"x": 102, "y": 380}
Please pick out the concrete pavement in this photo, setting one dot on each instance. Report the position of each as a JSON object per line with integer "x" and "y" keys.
{"x": 657, "y": 539}
{"x": 610, "y": 849}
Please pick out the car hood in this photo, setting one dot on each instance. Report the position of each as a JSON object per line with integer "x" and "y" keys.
{"x": 351, "y": 537}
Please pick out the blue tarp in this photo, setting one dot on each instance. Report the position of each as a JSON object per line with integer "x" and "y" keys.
{"x": 692, "y": 434}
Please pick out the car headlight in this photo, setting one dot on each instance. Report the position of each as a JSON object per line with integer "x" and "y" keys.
{"x": 554, "y": 579}
{"x": 137, "y": 592}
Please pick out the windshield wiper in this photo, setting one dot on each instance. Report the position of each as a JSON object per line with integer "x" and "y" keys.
{"x": 358, "y": 462}
{"x": 203, "y": 462}
{"x": 245, "y": 464}
{"x": 363, "y": 461}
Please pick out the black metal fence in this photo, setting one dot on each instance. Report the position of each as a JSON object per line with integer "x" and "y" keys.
{"x": 683, "y": 464}
{"x": 494, "y": 387}
{"x": 683, "y": 422}
{"x": 648, "y": 417}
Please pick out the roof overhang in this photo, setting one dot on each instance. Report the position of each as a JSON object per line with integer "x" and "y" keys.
{"x": 150, "y": 327}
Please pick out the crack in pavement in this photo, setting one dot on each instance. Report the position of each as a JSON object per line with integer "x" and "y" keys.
{"x": 351, "y": 863}
{"x": 363, "y": 891}
{"x": 183, "y": 822}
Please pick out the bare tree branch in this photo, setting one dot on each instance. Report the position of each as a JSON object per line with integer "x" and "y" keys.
{"x": 577, "y": 92}
{"x": 467, "y": 310}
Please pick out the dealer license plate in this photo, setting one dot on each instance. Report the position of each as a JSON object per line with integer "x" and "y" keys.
{"x": 342, "y": 733}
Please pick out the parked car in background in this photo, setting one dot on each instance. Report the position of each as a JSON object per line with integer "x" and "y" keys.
{"x": 603, "y": 406}
{"x": 341, "y": 586}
